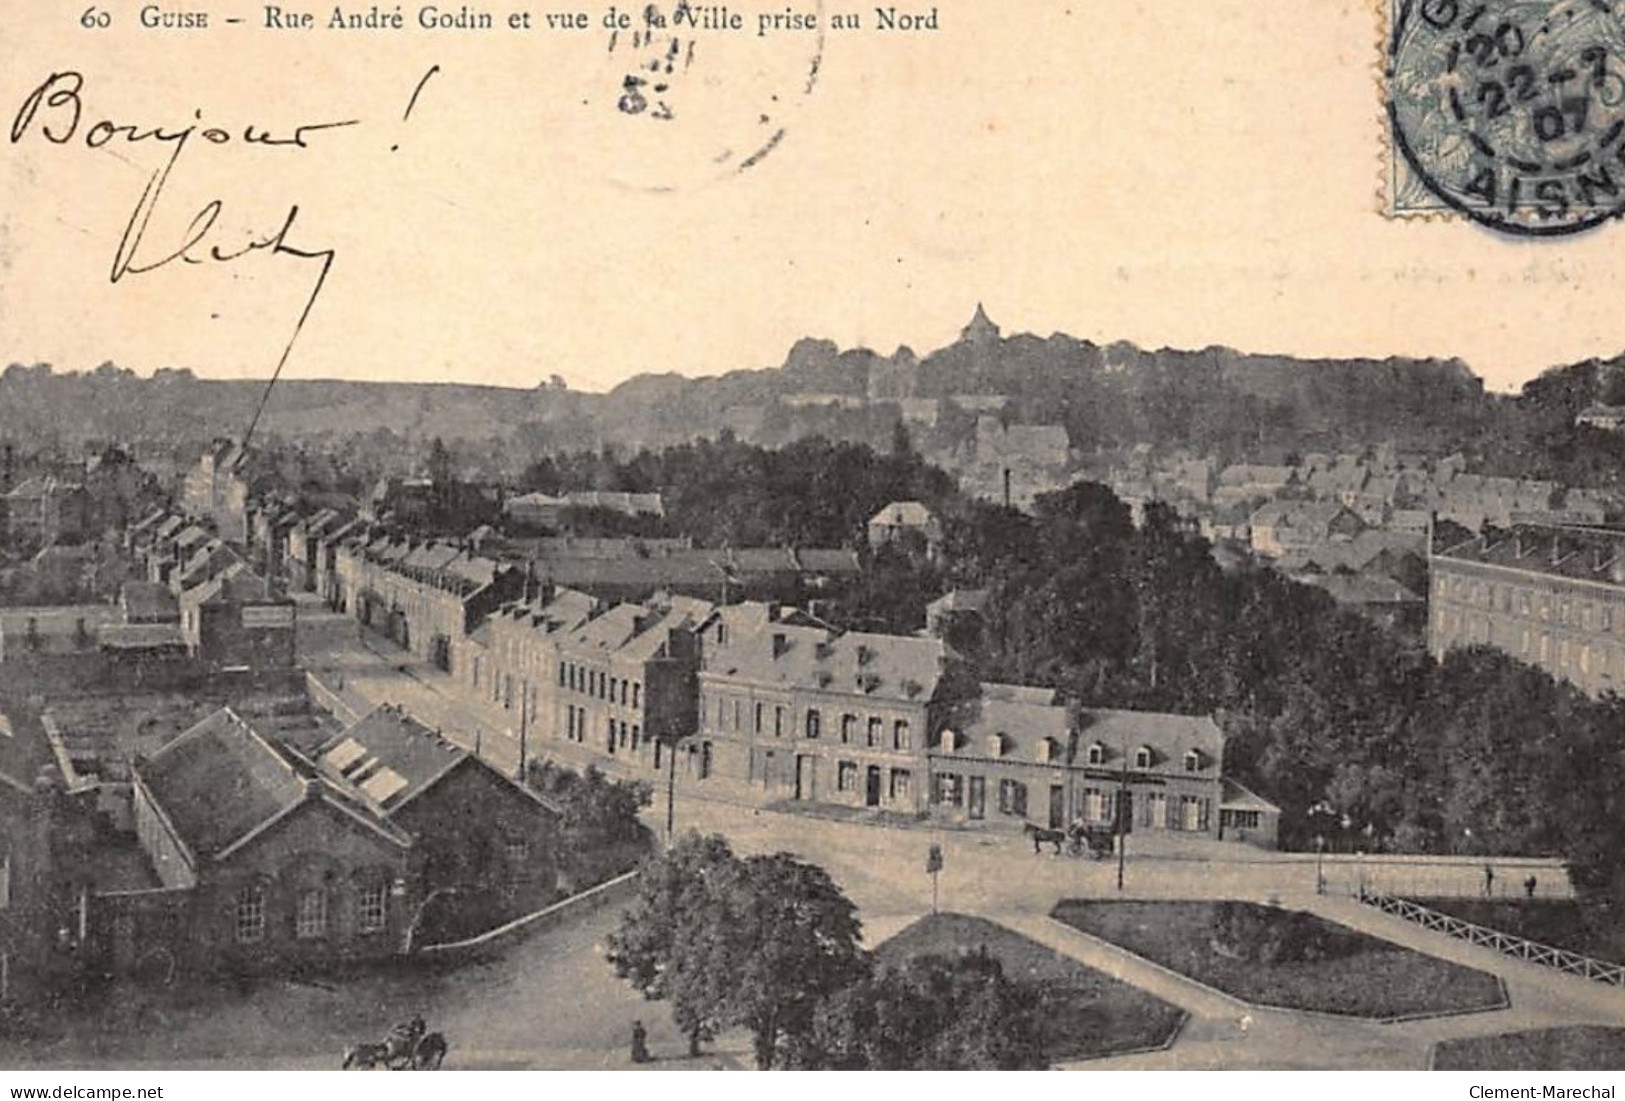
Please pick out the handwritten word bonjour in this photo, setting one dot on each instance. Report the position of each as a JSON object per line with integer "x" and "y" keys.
{"x": 55, "y": 112}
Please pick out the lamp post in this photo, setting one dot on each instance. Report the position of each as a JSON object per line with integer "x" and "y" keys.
{"x": 1320, "y": 856}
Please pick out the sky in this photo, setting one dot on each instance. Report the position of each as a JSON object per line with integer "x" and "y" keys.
{"x": 1171, "y": 174}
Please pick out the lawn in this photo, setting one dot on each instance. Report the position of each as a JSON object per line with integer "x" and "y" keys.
{"x": 1594, "y": 930}
{"x": 1286, "y": 958}
{"x": 1583, "y": 1047}
{"x": 1086, "y": 1014}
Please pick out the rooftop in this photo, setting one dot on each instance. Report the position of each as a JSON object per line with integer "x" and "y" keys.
{"x": 219, "y": 782}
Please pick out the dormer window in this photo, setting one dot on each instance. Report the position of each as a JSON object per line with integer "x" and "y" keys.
{"x": 1097, "y": 754}
{"x": 1048, "y": 750}
{"x": 1142, "y": 757}
{"x": 1193, "y": 761}
{"x": 949, "y": 741}
{"x": 995, "y": 744}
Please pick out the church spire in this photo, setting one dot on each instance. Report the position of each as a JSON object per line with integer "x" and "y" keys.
{"x": 981, "y": 330}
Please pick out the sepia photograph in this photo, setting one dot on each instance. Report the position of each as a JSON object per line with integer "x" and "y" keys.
{"x": 800, "y": 535}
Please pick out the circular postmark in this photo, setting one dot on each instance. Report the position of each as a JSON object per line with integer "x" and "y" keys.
{"x": 1512, "y": 112}
{"x": 689, "y": 94}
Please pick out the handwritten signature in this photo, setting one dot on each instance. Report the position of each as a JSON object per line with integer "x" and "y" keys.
{"x": 55, "y": 112}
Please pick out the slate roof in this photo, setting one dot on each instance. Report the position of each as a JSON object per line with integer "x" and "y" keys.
{"x": 816, "y": 659}
{"x": 1011, "y": 722}
{"x": 1168, "y": 736}
{"x": 388, "y": 758}
{"x": 1232, "y": 796}
{"x": 1579, "y": 553}
{"x": 219, "y": 782}
{"x": 1363, "y": 589}
{"x": 148, "y": 602}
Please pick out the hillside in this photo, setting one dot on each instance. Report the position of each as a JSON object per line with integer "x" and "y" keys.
{"x": 1216, "y": 402}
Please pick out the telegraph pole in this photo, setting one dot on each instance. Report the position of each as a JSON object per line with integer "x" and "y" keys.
{"x": 1122, "y": 823}
{"x": 671, "y": 790}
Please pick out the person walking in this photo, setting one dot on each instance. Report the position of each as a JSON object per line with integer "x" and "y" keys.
{"x": 1529, "y": 886}
{"x": 640, "y": 1043}
{"x": 1489, "y": 881}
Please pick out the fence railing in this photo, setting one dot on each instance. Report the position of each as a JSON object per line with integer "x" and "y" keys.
{"x": 1558, "y": 959}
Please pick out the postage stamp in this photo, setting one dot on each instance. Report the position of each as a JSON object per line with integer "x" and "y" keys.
{"x": 1508, "y": 112}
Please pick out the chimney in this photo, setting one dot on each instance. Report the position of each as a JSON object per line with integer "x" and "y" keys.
{"x": 1006, "y": 487}
{"x": 781, "y": 643}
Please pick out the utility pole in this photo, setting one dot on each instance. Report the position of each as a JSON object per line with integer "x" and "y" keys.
{"x": 671, "y": 789}
{"x": 524, "y": 723}
{"x": 1122, "y": 821}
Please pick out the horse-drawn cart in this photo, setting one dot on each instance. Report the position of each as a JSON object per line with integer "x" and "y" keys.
{"x": 1094, "y": 842}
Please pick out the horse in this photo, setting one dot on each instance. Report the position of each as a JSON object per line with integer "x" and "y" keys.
{"x": 366, "y": 1056}
{"x": 1042, "y": 836}
{"x": 431, "y": 1051}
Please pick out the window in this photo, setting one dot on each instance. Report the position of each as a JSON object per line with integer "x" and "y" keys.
{"x": 1142, "y": 757}
{"x": 251, "y": 914}
{"x": 614, "y": 686}
{"x": 739, "y": 722}
{"x": 759, "y": 709}
{"x": 1013, "y": 798}
{"x": 1192, "y": 813}
{"x": 874, "y": 735}
{"x": 901, "y": 738}
{"x": 846, "y": 776}
{"x": 637, "y": 694}
{"x": 311, "y": 920}
{"x": 814, "y": 722}
{"x": 1242, "y": 819}
{"x": 515, "y": 849}
{"x": 849, "y": 728}
{"x": 1094, "y": 805}
{"x": 900, "y": 784}
{"x": 1097, "y": 754}
{"x": 1193, "y": 761}
{"x": 657, "y": 753}
{"x": 563, "y": 674}
{"x": 950, "y": 789}
{"x": 778, "y": 722}
{"x": 1155, "y": 810}
{"x": 374, "y": 909}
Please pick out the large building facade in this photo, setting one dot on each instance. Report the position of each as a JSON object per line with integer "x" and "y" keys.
{"x": 1551, "y": 596}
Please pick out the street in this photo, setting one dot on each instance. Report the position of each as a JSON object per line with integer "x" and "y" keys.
{"x": 551, "y": 1001}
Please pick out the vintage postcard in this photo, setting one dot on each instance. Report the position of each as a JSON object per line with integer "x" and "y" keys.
{"x": 804, "y": 534}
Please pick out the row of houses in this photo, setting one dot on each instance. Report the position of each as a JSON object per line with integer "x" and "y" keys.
{"x": 763, "y": 703}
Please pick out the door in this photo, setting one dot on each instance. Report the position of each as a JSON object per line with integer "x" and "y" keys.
{"x": 977, "y": 801}
{"x": 804, "y": 777}
{"x": 871, "y": 793}
{"x": 1057, "y": 806}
